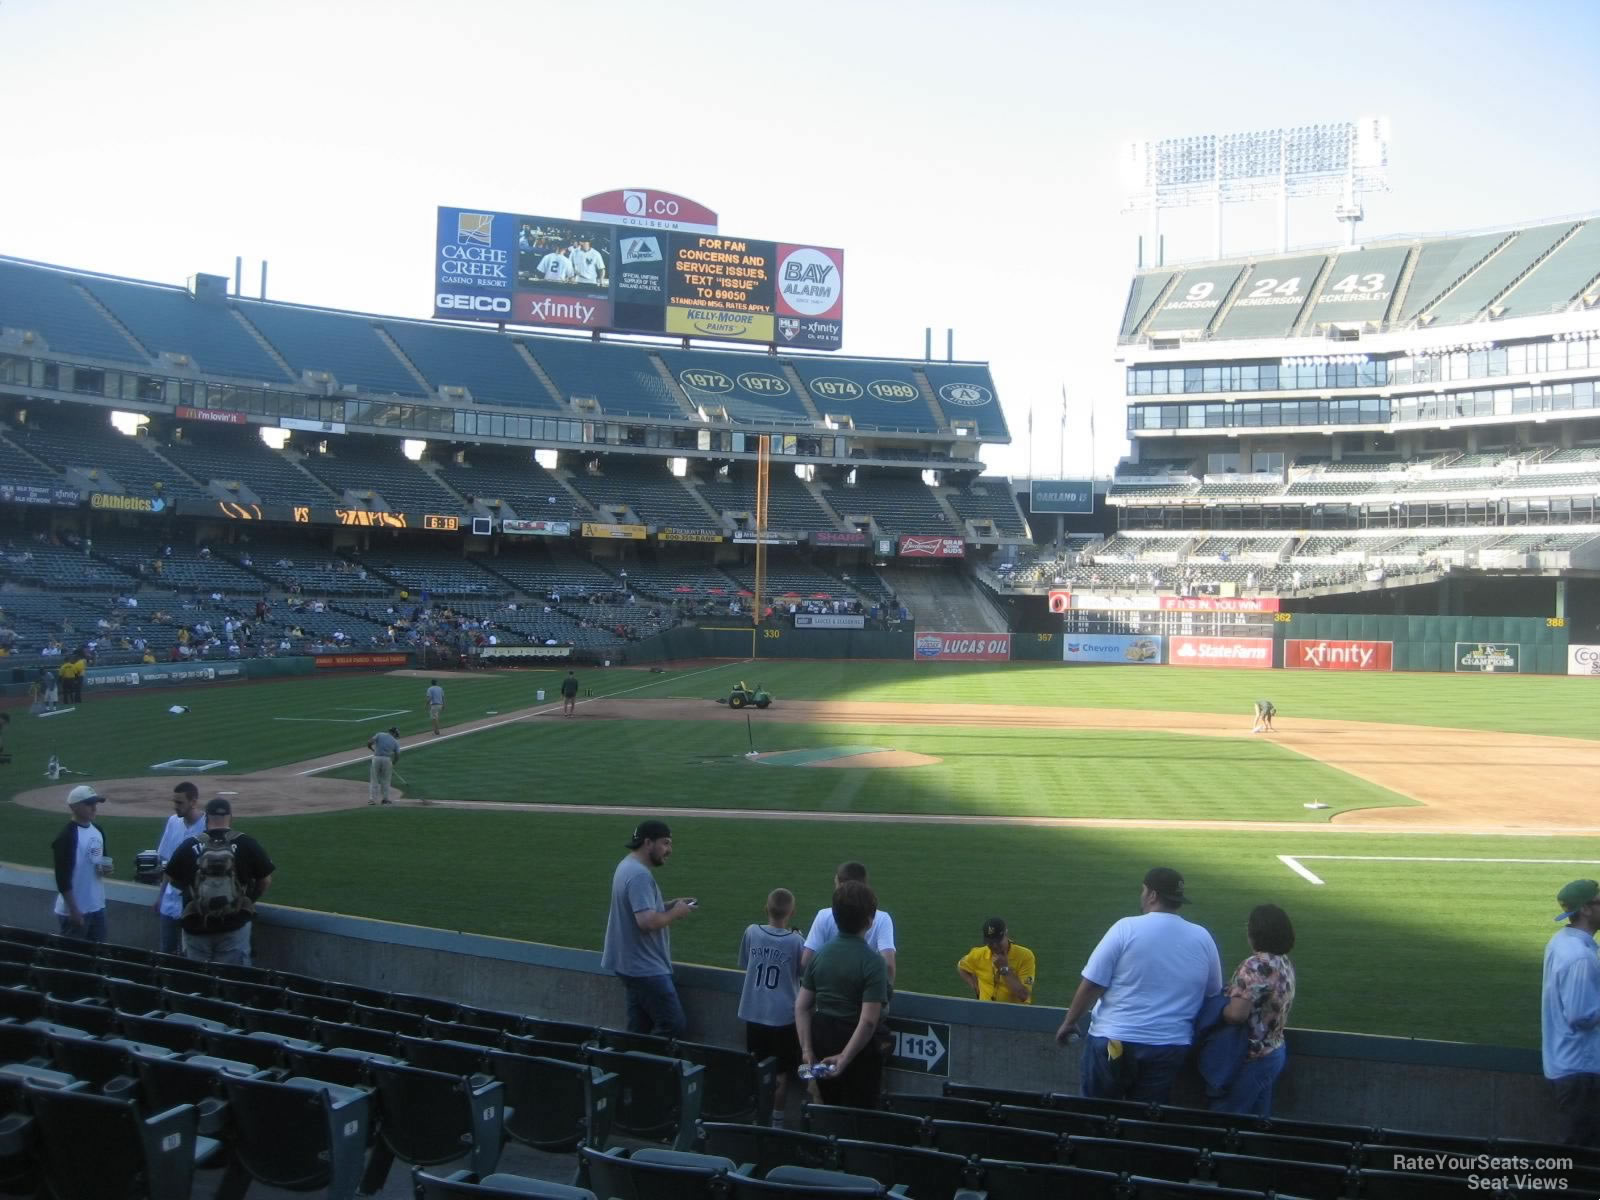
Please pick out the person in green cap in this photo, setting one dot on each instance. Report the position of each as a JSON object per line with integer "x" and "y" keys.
{"x": 1570, "y": 1013}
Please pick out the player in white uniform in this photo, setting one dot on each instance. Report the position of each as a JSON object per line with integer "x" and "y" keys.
{"x": 589, "y": 264}
{"x": 556, "y": 267}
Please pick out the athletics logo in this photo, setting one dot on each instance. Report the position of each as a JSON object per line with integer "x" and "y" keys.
{"x": 474, "y": 229}
{"x": 965, "y": 395}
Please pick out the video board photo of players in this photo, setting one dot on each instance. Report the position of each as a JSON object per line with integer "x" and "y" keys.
{"x": 564, "y": 254}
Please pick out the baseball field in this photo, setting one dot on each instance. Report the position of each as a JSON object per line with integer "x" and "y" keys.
{"x": 1416, "y": 827}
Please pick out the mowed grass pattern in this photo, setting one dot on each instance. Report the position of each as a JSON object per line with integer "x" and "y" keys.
{"x": 997, "y": 772}
{"x": 1442, "y": 950}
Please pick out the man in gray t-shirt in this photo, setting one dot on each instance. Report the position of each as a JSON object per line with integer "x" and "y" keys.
{"x": 638, "y": 947}
{"x": 385, "y": 747}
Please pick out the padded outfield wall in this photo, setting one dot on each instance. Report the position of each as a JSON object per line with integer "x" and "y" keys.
{"x": 1292, "y": 641}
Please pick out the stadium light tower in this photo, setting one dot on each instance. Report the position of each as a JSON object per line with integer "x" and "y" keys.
{"x": 1346, "y": 159}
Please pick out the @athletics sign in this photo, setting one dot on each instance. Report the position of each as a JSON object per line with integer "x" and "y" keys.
{"x": 920, "y": 1046}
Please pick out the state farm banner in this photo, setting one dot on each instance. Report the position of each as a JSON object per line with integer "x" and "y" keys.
{"x": 932, "y": 546}
{"x": 1583, "y": 660}
{"x": 829, "y": 621}
{"x": 962, "y": 647}
{"x": 1189, "y": 651}
{"x": 1324, "y": 655}
{"x": 1244, "y": 604}
{"x": 1060, "y": 600}
{"x": 1489, "y": 658}
{"x": 516, "y": 525}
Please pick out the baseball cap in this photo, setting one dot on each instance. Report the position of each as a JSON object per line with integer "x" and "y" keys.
{"x": 994, "y": 927}
{"x": 647, "y": 831}
{"x": 83, "y": 794}
{"x": 1575, "y": 895}
{"x": 1167, "y": 884}
{"x": 218, "y": 806}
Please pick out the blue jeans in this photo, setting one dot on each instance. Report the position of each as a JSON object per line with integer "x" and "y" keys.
{"x": 653, "y": 1005}
{"x": 171, "y": 935}
{"x": 1142, "y": 1073}
{"x": 1250, "y": 1093}
{"x": 93, "y": 928}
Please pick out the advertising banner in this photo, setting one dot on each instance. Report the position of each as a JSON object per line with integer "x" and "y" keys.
{"x": 38, "y": 493}
{"x": 311, "y": 426}
{"x": 115, "y": 502}
{"x": 664, "y": 275}
{"x": 1114, "y": 601}
{"x": 1111, "y": 648}
{"x": 1240, "y": 604}
{"x": 1060, "y": 600}
{"x": 1061, "y": 496}
{"x": 632, "y": 533}
{"x": 746, "y": 538}
{"x": 1489, "y": 658}
{"x": 647, "y": 208}
{"x": 1325, "y": 655}
{"x": 828, "y": 621}
{"x": 217, "y": 415}
{"x": 160, "y": 674}
{"x": 1190, "y": 651}
{"x": 932, "y": 546}
{"x": 541, "y": 528}
{"x": 1583, "y": 660}
{"x": 324, "y": 661}
{"x": 832, "y": 537}
{"x": 962, "y": 647}
{"x": 688, "y": 535}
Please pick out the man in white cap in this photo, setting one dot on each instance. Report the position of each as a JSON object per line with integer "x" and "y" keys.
{"x": 80, "y": 862}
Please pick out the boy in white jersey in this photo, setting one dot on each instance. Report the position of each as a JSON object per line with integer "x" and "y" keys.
{"x": 770, "y": 957}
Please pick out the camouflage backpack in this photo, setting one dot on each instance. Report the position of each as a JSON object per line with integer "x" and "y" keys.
{"x": 217, "y": 892}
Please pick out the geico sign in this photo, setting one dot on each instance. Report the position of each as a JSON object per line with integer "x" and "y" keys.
{"x": 466, "y": 303}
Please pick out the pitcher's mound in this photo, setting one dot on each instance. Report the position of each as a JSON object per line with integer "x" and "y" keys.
{"x": 845, "y": 756}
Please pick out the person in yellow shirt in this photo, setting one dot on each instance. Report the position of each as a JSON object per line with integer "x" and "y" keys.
{"x": 999, "y": 970}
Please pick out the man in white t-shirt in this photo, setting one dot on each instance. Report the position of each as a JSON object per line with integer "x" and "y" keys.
{"x": 80, "y": 863}
{"x": 880, "y": 935}
{"x": 1146, "y": 980}
{"x": 187, "y": 821}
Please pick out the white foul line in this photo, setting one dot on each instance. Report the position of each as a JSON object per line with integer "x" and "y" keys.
{"x": 1293, "y": 864}
{"x": 1292, "y": 861}
{"x": 445, "y": 737}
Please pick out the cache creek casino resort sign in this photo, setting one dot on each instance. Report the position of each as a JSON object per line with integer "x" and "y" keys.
{"x": 508, "y": 268}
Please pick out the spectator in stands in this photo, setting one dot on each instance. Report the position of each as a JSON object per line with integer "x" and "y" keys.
{"x": 999, "y": 970}
{"x": 638, "y": 944}
{"x": 81, "y": 867}
{"x": 770, "y": 957}
{"x": 1570, "y": 1014}
{"x": 880, "y": 936}
{"x": 220, "y": 904}
{"x": 187, "y": 821}
{"x": 840, "y": 1003}
{"x": 1146, "y": 981}
{"x": 1260, "y": 995}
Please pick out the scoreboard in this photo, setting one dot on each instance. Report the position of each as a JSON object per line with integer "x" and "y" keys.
{"x": 514, "y": 269}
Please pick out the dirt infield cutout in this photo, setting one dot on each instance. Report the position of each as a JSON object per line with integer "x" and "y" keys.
{"x": 1464, "y": 780}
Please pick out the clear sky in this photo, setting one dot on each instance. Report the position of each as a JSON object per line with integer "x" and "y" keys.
{"x": 965, "y": 155}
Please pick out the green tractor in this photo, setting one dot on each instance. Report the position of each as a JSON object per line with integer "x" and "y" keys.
{"x": 743, "y": 696}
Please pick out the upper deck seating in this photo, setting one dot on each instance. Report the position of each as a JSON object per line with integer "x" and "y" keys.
{"x": 51, "y": 304}
{"x": 346, "y": 345}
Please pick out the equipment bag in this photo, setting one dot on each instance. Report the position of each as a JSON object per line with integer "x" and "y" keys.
{"x": 218, "y": 892}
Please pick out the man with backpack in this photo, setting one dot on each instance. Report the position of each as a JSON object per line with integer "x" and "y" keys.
{"x": 222, "y": 874}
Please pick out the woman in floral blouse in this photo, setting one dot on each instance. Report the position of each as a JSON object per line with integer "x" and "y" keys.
{"x": 1259, "y": 998}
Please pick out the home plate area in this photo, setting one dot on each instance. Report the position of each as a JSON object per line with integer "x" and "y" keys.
{"x": 843, "y": 756}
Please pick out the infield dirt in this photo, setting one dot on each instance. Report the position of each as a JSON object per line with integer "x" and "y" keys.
{"x": 1465, "y": 781}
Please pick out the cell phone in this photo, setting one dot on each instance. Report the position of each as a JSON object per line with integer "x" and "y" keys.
{"x": 692, "y": 903}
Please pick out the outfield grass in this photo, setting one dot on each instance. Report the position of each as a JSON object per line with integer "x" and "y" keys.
{"x": 1446, "y": 950}
{"x": 1554, "y": 704}
{"x": 1060, "y": 773}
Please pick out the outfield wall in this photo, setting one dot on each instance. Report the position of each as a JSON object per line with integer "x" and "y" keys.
{"x": 1396, "y": 1083}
